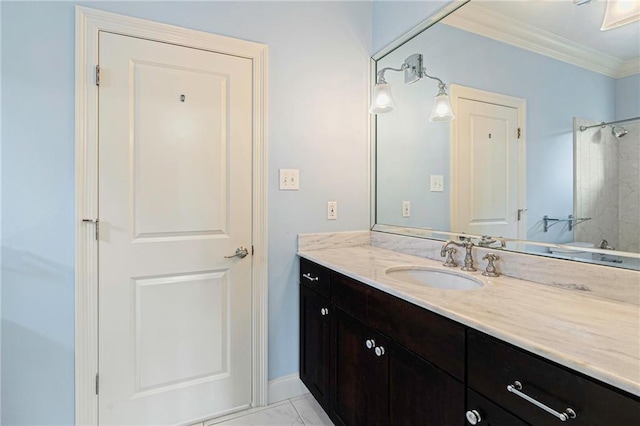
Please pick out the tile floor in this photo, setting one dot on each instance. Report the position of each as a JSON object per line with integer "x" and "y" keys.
{"x": 300, "y": 411}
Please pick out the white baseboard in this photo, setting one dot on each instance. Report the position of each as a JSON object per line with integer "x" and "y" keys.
{"x": 286, "y": 387}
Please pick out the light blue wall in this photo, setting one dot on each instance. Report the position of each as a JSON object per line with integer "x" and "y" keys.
{"x": 318, "y": 54}
{"x": 628, "y": 97}
{"x": 555, "y": 92}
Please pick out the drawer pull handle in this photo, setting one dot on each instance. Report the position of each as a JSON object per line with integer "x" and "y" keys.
{"x": 370, "y": 343}
{"x": 568, "y": 413}
{"x": 310, "y": 278}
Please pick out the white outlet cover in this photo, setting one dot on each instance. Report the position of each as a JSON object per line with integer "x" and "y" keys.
{"x": 406, "y": 209}
{"x": 332, "y": 210}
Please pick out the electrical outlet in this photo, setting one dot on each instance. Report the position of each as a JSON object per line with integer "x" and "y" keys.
{"x": 289, "y": 179}
{"x": 437, "y": 183}
{"x": 406, "y": 209}
{"x": 332, "y": 210}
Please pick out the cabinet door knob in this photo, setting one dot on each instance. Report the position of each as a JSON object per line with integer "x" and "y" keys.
{"x": 324, "y": 311}
{"x": 473, "y": 417}
{"x": 370, "y": 343}
{"x": 379, "y": 350}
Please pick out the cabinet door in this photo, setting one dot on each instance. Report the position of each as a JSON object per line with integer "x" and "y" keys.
{"x": 314, "y": 344}
{"x": 421, "y": 393}
{"x": 358, "y": 383}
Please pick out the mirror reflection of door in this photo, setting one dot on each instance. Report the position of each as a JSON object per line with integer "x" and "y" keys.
{"x": 488, "y": 185}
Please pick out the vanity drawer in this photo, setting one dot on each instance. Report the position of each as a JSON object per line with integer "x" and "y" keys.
{"x": 493, "y": 365}
{"x": 315, "y": 277}
{"x": 431, "y": 336}
{"x": 350, "y": 295}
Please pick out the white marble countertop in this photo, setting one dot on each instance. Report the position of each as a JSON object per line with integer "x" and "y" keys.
{"x": 595, "y": 336}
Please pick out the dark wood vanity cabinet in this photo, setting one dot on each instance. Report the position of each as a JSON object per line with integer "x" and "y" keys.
{"x": 377, "y": 382}
{"x": 315, "y": 335}
{"x": 374, "y": 378}
{"x": 370, "y": 358}
{"x": 493, "y": 365}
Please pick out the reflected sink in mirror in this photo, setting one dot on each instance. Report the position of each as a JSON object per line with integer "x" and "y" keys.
{"x": 434, "y": 278}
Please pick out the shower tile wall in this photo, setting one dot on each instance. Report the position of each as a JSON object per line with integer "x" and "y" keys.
{"x": 596, "y": 188}
{"x": 629, "y": 188}
{"x": 607, "y": 185}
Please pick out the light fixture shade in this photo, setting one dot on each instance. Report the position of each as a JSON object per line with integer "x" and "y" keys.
{"x": 619, "y": 13}
{"x": 382, "y": 101}
{"x": 441, "y": 109}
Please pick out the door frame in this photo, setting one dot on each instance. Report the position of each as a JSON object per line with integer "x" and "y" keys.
{"x": 88, "y": 24}
{"x": 463, "y": 92}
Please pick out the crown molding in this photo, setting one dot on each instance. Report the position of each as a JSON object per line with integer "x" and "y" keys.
{"x": 630, "y": 67}
{"x": 482, "y": 21}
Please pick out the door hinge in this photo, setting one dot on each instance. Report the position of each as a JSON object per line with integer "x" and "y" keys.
{"x": 97, "y": 75}
{"x": 96, "y": 222}
{"x": 519, "y": 132}
{"x": 97, "y": 383}
{"x": 520, "y": 212}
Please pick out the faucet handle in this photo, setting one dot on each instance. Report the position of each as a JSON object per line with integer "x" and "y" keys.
{"x": 491, "y": 271}
{"x": 450, "y": 261}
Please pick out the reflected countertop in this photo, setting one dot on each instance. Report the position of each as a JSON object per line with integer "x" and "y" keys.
{"x": 595, "y": 336}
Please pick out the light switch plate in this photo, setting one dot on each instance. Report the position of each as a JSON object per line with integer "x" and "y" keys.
{"x": 437, "y": 183}
{"x": 289, "y": 179}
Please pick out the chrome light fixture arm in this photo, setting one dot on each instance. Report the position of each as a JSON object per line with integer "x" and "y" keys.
{"x": 441, "y": 84}
{"x": 383, "y": 70}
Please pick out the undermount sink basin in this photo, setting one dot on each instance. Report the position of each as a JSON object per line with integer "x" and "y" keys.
{"x": 434, "y": 278}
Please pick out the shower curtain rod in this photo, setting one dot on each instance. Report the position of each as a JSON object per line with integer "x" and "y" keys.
{"x": 603, "y": 124}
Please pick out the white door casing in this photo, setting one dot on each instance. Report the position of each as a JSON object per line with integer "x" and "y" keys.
{"x": 174, "y": 199}
{"x": 88, "y": 25}
{"x": 488, "y": 193}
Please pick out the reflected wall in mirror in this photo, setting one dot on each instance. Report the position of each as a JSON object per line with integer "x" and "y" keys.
{"x": 524, "y": 77}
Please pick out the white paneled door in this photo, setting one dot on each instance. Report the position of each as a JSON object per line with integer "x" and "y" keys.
{"x": 488, "y": 170}
{"x": 175, "y": 135}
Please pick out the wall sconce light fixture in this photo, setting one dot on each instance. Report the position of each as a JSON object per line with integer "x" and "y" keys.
{"x": 619, "y": 13}
{"x": 382, "y": 101}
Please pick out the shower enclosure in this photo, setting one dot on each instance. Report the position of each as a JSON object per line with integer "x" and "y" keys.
{"x": 607, "y": 183}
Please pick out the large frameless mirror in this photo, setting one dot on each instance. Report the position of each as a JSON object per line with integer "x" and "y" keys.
{"x": 543, "y": 152}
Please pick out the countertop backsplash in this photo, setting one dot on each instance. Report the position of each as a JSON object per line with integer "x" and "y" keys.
{"x": 611, "y": 283}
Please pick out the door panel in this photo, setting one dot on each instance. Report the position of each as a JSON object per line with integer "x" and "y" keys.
{"x": 488, "y": 169}
{"x": 200, "y": 302}
{"x": 179, "y": 143}
{"x": 175, "y": 129}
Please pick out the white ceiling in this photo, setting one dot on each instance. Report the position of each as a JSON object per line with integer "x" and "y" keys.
{"x": 580, "y": 24}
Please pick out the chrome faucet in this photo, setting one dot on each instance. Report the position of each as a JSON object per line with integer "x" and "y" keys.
{"x": 488, "y": 241}
{"x": 604, "y": 244}
{"x": 468, "y": 258}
